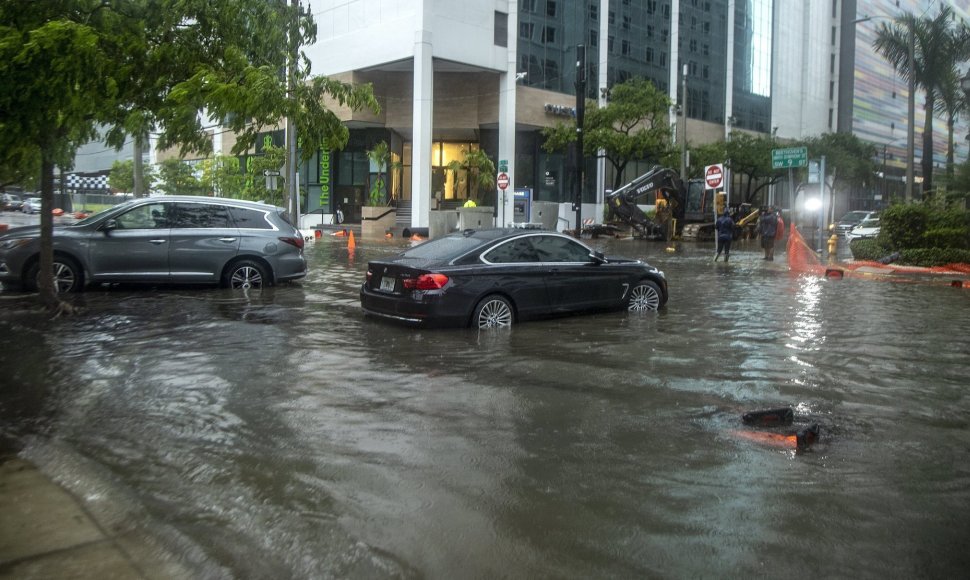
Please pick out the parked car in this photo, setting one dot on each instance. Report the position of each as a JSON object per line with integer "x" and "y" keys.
{"x": 851, "y": 220}
{"x": 11, "y": 202}
{"x": 499, "y": 277}
{"x": 31, "y": 205}
{"x": 867, "y": 228}
{"x": 177, "y": 239}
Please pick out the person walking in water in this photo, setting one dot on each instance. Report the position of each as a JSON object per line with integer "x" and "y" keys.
{"x": 725, "y": 235}
{"x": 767, "y": 227}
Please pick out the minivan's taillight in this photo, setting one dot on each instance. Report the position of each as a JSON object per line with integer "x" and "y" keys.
{"x": 425, "y": 282}
{"x": 294, "y": 241}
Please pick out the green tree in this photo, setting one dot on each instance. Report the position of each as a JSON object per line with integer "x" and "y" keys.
{"x": 706, "y": 154}
{"x": 939, "y": 45}
{"x": 749, "y": 158}
{"x": 632, "y": 126}
{"x": 380, "y": 157}
{"x": 255, "y": 189}
{"x": 70, "y": 66}
{"x": 121, "y": 177}
{"x": 222, "y": 176}
{"x": 848, "y": 159}
{"x": 175, "y": 177}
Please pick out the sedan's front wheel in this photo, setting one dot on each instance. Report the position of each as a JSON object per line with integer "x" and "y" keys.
{"x": 245, "y": 275}
{"x": 645, "y": 295}
{"x": 493, "y": 311}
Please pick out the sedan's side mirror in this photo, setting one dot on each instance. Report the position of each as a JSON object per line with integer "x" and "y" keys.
{"x": 598, "y": 257}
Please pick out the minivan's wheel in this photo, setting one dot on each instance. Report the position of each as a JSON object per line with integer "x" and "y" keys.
{"x": 244, "y": 275}
{"x": 645, "y": 295}
{"x": 493, "y": 311}
{"x": 68, "y": 276}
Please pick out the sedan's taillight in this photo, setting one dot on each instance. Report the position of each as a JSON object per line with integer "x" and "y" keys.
{"x": 425, "y": 282}
{"x": 294, "y": 241}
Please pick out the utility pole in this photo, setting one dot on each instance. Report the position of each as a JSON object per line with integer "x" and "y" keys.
{"x": 683, "y": 111}
{"x": 580, "y": 114}
{"x": 291, "y": 70}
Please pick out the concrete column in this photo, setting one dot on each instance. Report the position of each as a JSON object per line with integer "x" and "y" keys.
{"x": 506, "y": 124}
{"x": 421, "y": 132}
{"x": 602, "y": 67}
{"x": 729, "y": 72}
{"x": 673, "y": 64}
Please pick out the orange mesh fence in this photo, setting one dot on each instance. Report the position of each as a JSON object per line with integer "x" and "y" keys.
{"x": 803, "y": 260}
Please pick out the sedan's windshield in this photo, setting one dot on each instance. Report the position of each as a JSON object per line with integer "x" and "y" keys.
{"x": 869, "y": 223}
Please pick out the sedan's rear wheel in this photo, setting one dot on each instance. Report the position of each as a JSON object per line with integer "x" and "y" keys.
{"x": 245, "y": 275}
{"x": 493, "y": 311}
{"x": 645, "y": 295}
{"x": 68, "y": 276}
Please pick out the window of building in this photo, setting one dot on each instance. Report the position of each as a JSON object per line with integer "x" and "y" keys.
{"x": 593, "y": 38}
{"x": 651, "y": 6}
{"x": 548, "y": 35}
{"x": 663, "y": 58}
{"x": 666, "y": 11}
{"x": 527, "y": 5}
{"x": 706, "y": 49}
{"x": 551, "y": 70}
{"x": 625, "y": 47}
{"x": 526, "y": 29}
{"x": 612, "y": 17}
{"x": 831, "y": 90}
{"x": 707, "y": 71}
{"x": 626, "y": 22}
{"x": 650, "y": 54}
{"x": 693, "y": 45}
{"x": 832, "y": 63}
{"x": 830, "y": 119}
{"x": 692, "y": 68}
{"x": 664, "y": 33}
{"x": 551, "y": 8}
{"x": 650, "y": 31}
{"x": 594, "y": 12}
{"x": 834, "y": 35}
{"x": 835, "y": 8}
{"x": 501, "y": 29}
{"x": 609, "y": 45}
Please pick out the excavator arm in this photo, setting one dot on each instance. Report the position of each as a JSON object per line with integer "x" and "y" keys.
{"x": 660, "y": 180}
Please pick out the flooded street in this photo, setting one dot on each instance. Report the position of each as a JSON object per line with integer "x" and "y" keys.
{"x": 284, "y": 435}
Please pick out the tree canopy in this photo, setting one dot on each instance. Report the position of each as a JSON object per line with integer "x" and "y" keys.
{"x": 633, "y": 125}
{"x": 71, "y": 66}
{"x": 938, "y": 46}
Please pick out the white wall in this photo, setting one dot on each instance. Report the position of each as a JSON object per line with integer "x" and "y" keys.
{"x": 355, "y": 34}
{"x": 800, "y": 87}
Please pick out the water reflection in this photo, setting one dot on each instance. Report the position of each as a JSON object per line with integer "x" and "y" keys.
{"x": 283, "y": 434}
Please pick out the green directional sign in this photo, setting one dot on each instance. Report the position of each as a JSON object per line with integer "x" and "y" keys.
{"x": 790, "y": 157}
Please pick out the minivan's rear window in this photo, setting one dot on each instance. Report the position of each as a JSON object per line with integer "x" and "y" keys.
{"x": 249, "y": 219}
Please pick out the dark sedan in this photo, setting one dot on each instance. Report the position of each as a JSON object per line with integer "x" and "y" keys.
{"x": 498, "y": 277}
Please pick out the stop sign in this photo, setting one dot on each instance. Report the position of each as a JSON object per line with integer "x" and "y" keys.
{"x": 503, "y": 181}
{"x": 714, "y": 176}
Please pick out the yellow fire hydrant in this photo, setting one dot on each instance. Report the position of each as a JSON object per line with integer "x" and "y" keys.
{"x": 833, "y": 243}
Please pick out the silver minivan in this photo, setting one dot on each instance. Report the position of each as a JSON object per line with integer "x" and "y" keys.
{"x": 169, "y": 239}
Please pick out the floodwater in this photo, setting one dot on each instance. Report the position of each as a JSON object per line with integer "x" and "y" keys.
{"x": 284, "y": 435}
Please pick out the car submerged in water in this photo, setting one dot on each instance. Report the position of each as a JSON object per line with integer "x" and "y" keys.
{"x": 168, "y": 239}
{"x": 497, "y": 277}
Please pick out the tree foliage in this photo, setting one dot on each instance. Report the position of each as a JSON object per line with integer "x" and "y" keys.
{"x": 632, "y": 126}
{"x": 749, "y": 158}
{"x": 848, "y": 159}
{"x": 938, "y": 46}
{"x": 71, "y": 66}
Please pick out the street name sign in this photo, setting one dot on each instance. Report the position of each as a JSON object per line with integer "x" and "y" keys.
{"x": 790, "y": 157}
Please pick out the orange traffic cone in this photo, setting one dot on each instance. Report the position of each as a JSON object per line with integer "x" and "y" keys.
{"x": 351, "y": 244}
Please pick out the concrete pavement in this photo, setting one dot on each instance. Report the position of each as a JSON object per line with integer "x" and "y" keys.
{"x": 46, "y": 532}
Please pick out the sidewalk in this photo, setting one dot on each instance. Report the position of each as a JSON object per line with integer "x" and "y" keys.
{"x": 47, "y": 533}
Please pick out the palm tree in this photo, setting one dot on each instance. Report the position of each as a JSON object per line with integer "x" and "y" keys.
{"x": 952, "y": 104}
{"x": 938, "y": 46}
{"x": 380, "y": 156}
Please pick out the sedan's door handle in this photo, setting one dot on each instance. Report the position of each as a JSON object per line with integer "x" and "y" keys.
{"x": 156, "y": 242}
{"x": 227, "y": 240}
